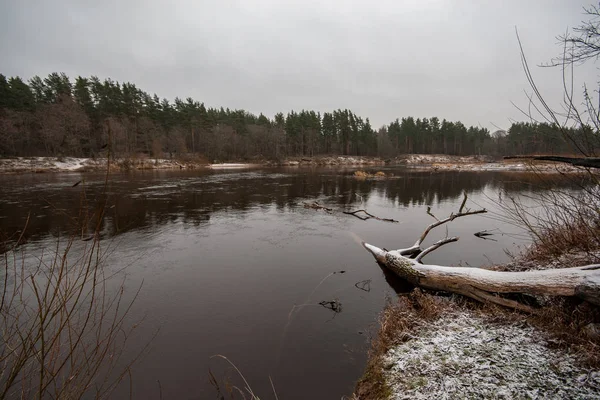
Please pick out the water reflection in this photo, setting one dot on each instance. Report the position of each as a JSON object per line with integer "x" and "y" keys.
{"x": 140, "y": 201}
{"x": 225, "y": 257}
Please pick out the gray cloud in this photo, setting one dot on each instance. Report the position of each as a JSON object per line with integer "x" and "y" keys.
{"x": 453, "y": 59}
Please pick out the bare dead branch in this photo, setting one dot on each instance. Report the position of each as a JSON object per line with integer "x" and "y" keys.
{"x": 462, "y": 205}
{"x": 452, "y": 217}
{"x": 333, "y": 305}
{"x": 368, "y": 216}
{"x": 484, "y": 297}
{"x": 484, "y": 235}
{"x": 431, "y": 214}
{"x": 435, "y": 246}
{"x": 364, "y": 285}
{"x": 550, "y": 113}
{"x": 316, "y": 206}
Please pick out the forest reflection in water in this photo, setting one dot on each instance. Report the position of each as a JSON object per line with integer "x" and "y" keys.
{"x": 226, "y": 256}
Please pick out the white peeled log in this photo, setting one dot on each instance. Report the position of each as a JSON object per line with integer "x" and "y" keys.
{"x": 483, "y": 284}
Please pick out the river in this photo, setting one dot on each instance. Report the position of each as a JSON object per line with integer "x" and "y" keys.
{"x": 222, "y": 257}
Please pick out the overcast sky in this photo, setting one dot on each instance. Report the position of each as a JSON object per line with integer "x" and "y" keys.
{"x": 382, "y": 59}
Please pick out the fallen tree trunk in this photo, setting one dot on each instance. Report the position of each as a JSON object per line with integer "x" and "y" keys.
{"x": 482, "y": 284}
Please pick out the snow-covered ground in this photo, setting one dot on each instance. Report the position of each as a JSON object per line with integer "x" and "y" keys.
{"x": 41, "y": 164}
{"x": 433, "y": 162}
{"x": 443, "y": 158}
{"x": 231, "y": 166}
{"x": 441, "y": 162}
{"x": 332, "y": 161}
{"x": 72, "y": 164}
{"x": 463, "y": 356}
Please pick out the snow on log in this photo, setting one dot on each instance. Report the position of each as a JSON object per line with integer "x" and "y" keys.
{"x": 482, "y": 284}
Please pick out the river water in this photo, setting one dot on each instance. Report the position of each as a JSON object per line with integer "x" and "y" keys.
{"x": 223, "y": 257}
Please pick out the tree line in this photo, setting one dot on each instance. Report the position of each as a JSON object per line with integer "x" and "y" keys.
{"x": 56, "y": 116}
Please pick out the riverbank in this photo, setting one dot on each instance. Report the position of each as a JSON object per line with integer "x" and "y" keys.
{"x": 73, "y": 164}
{"x": 450, "y": 347}
{"x": 441, "y": 162}
{"x": 429, "y": 162}
{"x": 434, "y": 347}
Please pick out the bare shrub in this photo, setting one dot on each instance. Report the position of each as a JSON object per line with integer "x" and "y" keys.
{"x": 561, "y": 222}
{"x": 566, "y": 221}
{"x": 63, "y": 320}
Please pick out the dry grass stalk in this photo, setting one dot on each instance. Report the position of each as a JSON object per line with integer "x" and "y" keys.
{"x": 63, "y": 327}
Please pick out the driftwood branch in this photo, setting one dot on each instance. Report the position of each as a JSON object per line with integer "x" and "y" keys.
{"x": 484, "y": 235}
{"x": 333, "y": 305}
{"x": 364, "y": 285}
{"x": 486, "y": 285}
{"x": 431, "y": 214}
{"x": 433, "y": 247}
{"x": 316, "y": 206}
{"x": 462, "y": 205}
{"x": 451, "y": 218}
{"x": 368, "y": 216}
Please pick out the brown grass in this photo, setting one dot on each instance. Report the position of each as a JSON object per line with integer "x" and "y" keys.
{"x": 563, "y": 219}
{"x": 581, "y": 235}
{"x": 567, "y": 323}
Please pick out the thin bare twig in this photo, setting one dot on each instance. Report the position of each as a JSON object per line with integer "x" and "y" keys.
{"x": 333, "y": 305}
{"x": 452, "y": 217}
{"x": 316, "y": 206}
{"x": 369, "y": 216}
{"x": 364, "y": 285}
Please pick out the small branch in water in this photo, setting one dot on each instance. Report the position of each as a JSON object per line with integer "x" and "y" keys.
{"x": 316, "y": 206}
{"x": 462, "y": 205}
{"x": 364, "y": 285}
{"x": 369, "y": 216}
{"x": 483, "y": 234}
{"x": 333, "y": 305}
{"x": 430, "y": 213}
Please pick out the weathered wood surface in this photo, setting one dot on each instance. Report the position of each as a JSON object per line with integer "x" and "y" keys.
{"x": 483, "y": 284}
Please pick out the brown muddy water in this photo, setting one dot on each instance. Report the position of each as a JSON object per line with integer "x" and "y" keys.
{"x": 223, "y": 257}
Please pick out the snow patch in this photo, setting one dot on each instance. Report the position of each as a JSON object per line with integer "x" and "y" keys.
{"x": 464, "y": 356}
{"x": 71, "y": 164}
{"x": 230, "y": 166}
{"x": 33, "y": 164}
